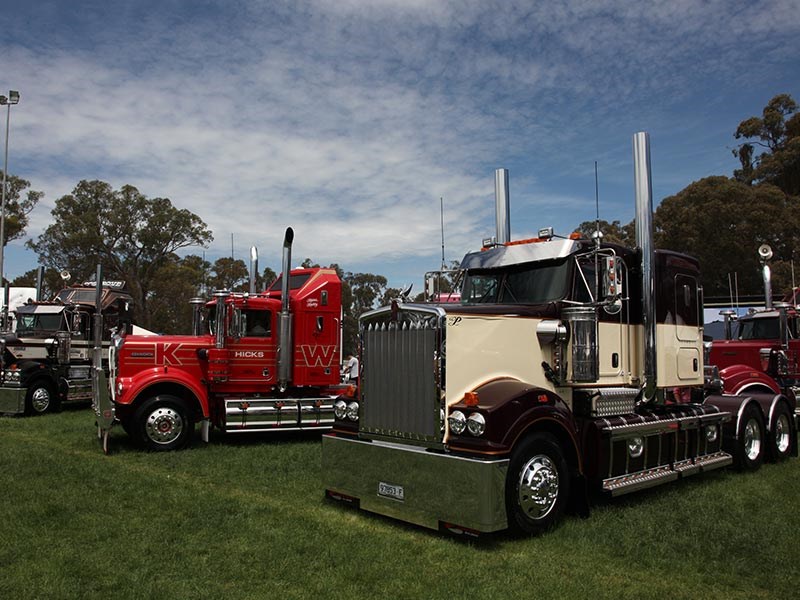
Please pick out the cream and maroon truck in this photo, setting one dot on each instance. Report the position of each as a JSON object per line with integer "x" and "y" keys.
{"x": 257, "y": 362}
{"x": 570, "y": 366}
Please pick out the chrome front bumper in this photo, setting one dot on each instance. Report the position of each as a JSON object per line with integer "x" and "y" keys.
{"x": 12, "y": 400}
{"x": 415, "y": 485}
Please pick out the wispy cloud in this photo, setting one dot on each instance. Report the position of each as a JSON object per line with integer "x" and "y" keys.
{"x": 350, "y": 119}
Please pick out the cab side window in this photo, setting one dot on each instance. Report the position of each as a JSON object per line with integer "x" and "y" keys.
{"x": 258, "y": 323}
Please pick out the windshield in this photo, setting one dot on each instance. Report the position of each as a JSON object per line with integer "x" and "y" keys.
{"x": 768, "y": 328}
{"x": 537, "y": 283}
{"x": 38, "y": 324}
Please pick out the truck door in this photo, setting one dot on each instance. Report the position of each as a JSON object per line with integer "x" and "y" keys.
{"x": 252, "y": 349}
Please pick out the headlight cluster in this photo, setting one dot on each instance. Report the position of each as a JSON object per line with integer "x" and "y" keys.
{"x": 342, "y": 410}
{"x": 475, "y": 423}
{"x": 11, "y": 376}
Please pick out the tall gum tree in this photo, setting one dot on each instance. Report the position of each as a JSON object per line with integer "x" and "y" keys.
{"x": 133, "y": 237}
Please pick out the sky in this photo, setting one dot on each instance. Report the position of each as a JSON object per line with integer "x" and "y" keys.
{"x": 356, "y": 121}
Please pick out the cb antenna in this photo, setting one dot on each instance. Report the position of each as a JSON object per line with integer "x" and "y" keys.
{"x": 597, "y": 207}
{"x": 441, "y": 216}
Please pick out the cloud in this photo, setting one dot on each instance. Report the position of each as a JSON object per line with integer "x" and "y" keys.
{"x": 349, "y": 120}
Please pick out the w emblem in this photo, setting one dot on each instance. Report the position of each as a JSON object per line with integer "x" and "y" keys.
{"x": 318, "y": 356}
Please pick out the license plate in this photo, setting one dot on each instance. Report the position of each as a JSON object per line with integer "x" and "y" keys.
{"x": 388, "y": 490}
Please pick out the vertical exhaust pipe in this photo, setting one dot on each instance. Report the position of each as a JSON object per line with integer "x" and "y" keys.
{"x": 285, "y": 347}
{"x": 501, "y": 206}
{"x": 39, "y": 282}
{"x": 253, "y": 268}
{"x": 644, "y": 241}
{"x": 764, "y": 255}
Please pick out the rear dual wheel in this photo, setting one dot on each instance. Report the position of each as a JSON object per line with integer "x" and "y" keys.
{"x": 750, "y": 443}
{"x": 780, "y": 433}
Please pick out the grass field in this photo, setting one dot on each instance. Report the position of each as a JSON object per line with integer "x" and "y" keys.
{"x": 245, "y": 518}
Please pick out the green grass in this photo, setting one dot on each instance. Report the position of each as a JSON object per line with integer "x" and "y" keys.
{"x": 244, "y": 517}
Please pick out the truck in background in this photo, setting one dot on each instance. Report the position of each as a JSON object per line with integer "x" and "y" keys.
{"x": 256, "y": 362}
{"x": 45, "y": 359}
{"x": 569, "y": 366}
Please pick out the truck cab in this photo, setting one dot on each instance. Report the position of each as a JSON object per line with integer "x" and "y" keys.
{"x": 46, "y": 359}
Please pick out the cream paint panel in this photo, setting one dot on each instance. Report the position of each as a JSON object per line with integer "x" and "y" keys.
{"x": 482, "y": 348}
{"x": 676, "y": 359}
{"x": 614, "y": 338}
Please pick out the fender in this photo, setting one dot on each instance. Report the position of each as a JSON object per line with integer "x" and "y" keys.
{"x": 511, "y": 409}
{"x": 738, "y": 379}
{"x": 134, "y": 387}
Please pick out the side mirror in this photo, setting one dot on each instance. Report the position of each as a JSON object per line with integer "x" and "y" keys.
{"x": 612, "y": 281}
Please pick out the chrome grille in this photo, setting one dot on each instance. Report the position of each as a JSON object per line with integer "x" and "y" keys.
{"x": 402, "y": 373}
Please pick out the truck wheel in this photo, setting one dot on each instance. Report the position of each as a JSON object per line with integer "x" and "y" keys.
{"x": 750, "y": 440}
{"x": 163, "y": 423}
{"x": 40, "y": 398}
{"x": 537, "y": 485}
{"x": 780, "y": 433}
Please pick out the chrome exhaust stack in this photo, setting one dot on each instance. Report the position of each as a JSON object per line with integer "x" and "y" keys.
{"x": 253, "y": 268}
{"x": 764, "y": 255}
{"x": 501, "y": 202}
{"x": 285, "y": 344}
{"x": 644, "y": 241}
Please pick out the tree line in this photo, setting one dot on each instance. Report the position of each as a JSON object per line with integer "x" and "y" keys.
{"x": 719, "y": 219}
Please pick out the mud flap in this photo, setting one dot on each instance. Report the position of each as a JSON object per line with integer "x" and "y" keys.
{"x": 102, "y": 405}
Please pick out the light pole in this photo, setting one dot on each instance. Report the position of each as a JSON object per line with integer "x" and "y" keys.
{"x": 13, "y": 98}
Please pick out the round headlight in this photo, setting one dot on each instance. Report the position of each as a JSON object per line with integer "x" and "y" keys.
{"x": 635, "y": 447}
{"x": 352, "y": 411}
{"x": 476, "y": 424}
{"x": 340, "y": 409}
{"x": 457, "y": 421}
{"x": 712, "y": 433}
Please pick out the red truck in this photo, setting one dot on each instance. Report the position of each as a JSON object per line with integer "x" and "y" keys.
{"x": 255, "y": 362}
{"x": 762, "y": 356}
{"x": 569, "y": 366}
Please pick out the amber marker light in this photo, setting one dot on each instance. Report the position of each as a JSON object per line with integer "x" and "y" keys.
{"x": 471, "y": 399}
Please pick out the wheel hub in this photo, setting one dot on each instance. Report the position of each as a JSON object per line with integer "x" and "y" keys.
{"x": 538, "y": 487}
{"x": 164, "y": 425}
{"x": 40, "y": 399}
{"x": 752, "y": 440}
{"x": 782, "y": 437}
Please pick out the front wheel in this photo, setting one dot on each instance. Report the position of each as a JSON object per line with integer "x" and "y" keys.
{"x": 537, "y": 485}
{"x": 780, "y": 433}
{"x": 163, "y": 423}
{"x": 40, "y": 398}
{"x": 750, "y": 439}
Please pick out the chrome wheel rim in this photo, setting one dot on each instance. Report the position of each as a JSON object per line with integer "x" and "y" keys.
{"x": 782, "y": 437}
{"x": 537, "y": 489}
{"x": 164, "y": 425}
{"x": 752, "y": 439}
{"x": 40, "y": 399}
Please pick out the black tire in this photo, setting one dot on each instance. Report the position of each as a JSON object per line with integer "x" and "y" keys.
{"x": 750, "y": 442}
{"x": 537, "y": 485}
{"x": 41, "y": 398}
{"x": 163, "y": 423}
{"x": 780, "y": 439}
